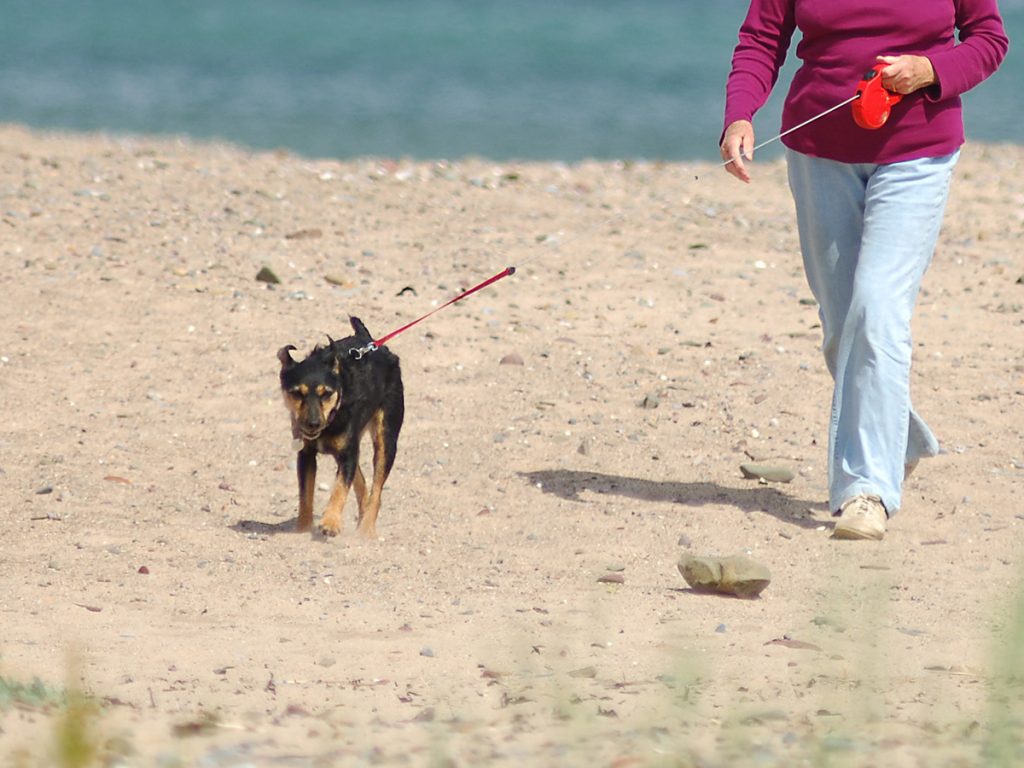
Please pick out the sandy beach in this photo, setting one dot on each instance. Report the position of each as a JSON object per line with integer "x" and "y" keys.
{"x": 584, "y": 418}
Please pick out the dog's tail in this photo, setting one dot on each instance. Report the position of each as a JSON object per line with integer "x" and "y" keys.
{"x": 361, "y": 331}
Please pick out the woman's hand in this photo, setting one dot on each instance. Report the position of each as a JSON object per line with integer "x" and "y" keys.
{"x": 737, "y": 145}
{"x": 906, "y": 74}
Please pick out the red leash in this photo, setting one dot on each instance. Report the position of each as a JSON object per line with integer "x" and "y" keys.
{"x": 373, "y": 345}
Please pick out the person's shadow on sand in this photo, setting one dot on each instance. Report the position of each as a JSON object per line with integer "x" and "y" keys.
{"x": 568, "y": 484}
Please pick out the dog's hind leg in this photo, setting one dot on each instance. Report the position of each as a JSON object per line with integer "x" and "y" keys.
{"x": 359, "y": 484}
{"x": 385, "y": 445}
{"x": 306, "y": 464}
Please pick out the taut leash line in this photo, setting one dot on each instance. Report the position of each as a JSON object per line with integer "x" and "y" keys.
{"x": 358, "y": 352}
{"x": 871, "y": 111}
{"x": 788, "y": 131}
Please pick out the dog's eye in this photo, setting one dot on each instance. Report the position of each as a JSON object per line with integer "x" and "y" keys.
{"x": 327, "y": 393}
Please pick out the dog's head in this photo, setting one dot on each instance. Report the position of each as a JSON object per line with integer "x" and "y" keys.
{"x": 311, "y": 388}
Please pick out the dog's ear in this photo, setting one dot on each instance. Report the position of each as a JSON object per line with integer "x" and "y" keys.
{"x": 284, "y": 355}
{"x": 359, "y": 328}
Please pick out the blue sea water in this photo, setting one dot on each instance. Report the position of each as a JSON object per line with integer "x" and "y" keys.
{"x": 512, "y": 79}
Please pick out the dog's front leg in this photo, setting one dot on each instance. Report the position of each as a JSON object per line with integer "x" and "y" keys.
{"x": 330, "y": 524}
{"x": 306, "y": 464}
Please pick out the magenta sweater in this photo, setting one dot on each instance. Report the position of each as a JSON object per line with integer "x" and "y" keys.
{"x": 840, "y": 41}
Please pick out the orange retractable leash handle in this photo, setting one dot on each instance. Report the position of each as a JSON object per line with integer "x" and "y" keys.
{"x": 874, "y": 102}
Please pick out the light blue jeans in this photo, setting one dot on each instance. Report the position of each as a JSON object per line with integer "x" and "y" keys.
{"x": 867, "y": 234}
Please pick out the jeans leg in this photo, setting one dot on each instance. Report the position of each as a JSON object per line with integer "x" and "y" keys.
{"x": 867, "y": 234}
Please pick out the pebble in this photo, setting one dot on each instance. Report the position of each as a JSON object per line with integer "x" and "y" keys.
{"x": 650, "y": 402}
{"x": 267, "y": 275}
{"x": 305, "y": 234}
{"x": 340, "y": 281}
{"x": 768, "y": 472}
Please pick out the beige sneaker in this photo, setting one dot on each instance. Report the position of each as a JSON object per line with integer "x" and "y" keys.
{"x": 862, "y": 517}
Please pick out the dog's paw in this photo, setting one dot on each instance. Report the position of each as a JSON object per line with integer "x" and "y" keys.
{"x": 366, "y": 531}
{"x": 330, "y": 529}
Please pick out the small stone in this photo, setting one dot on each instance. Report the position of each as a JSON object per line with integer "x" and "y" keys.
{"x": 612, "y": 578}
{"x": 650, "y": 402}
{"x": 427, "y": 652}
{"x": 426, "y": 715}
{"x": 305, "y": 234}
{"x": 736, "y": 575}
{"x": 267, "y": 275}
{"x": 512, "y": 359}
{"x": 767, "y": 472}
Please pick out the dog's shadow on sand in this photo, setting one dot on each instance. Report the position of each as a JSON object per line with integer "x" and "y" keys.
{"x": 569, "y": 484}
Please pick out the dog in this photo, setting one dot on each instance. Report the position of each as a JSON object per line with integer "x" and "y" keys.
{"x": 337, "y": 394}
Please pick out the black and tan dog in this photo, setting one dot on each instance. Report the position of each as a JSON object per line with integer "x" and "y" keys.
{"x": 338, "y": 393}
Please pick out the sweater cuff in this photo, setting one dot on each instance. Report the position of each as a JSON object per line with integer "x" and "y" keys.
{"x": 948, "y": 77}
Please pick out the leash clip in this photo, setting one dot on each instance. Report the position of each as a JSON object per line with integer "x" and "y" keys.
{"x": 359, "y": 352}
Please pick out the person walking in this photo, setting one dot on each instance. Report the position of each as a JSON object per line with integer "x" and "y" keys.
{"x": 869, "y": 203}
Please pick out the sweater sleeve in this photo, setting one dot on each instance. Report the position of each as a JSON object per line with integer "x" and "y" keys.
{"x": 982, "y": 48}
{"x": 760, "y": 53}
